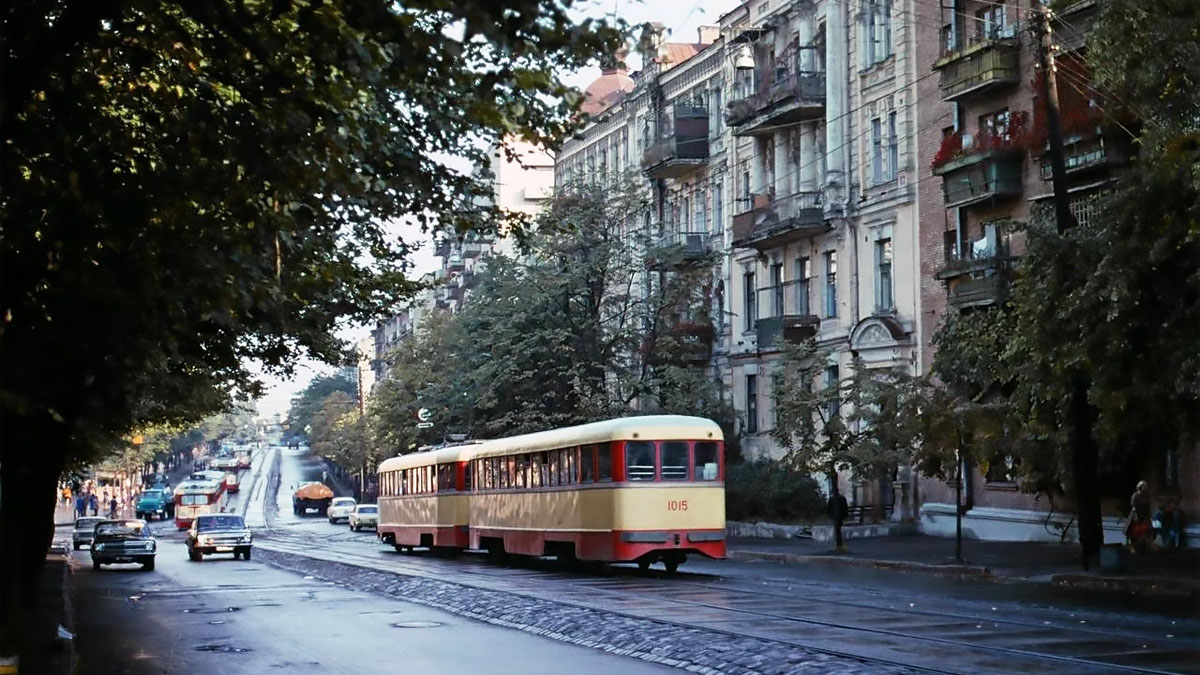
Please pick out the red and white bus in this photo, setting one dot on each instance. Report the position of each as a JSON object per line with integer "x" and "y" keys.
{"x": 197, "y": 496}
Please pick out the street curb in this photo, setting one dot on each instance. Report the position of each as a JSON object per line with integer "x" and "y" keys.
{"x": 1178, "y": 588}
{"x": 948, "y": 569}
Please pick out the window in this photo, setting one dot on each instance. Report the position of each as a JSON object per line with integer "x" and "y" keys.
{"x": 776, "y": 383}
{"x": 700, "y": 221}
{"x": 877, "y": 170}
{"x": 990, "y": 22}
{"x": 777, "y": 289}
{"x": 893, "y": 147}
{"x": 706, "y": 461}
{"x": 684, "y": 214}
{"x": 747, "y": 200}
{"x": 831, "y": 385}
{"x": 718, "y": 222}
{"x": 830, "y": 284}
{"x": 674, "y": 460}
{"x": 878, "y": 20}
{"x": 883, "y": 275}
{"x": 587, "y": 464}
{"x": 803, "y": 276}
{"x": 1003, "y": 469}
{"x": 748, "y": 301}
{"x": 751, "y": 404}
{"x": 716, "y": 113}
{"x": 603, "y": 462}
{"x": 993, "y": 129}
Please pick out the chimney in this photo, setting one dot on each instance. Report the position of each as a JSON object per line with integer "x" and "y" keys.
{"x": 708, "y": 34}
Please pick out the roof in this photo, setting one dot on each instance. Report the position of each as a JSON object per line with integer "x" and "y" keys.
{"x": 439, "y": 456}
{"x": 197, "y": 486}
{"x": 606, "y": 91}
{"x": 675, "y": 53}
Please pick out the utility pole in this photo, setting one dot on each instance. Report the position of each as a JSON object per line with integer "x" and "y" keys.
{"x": 1079, "y": 414}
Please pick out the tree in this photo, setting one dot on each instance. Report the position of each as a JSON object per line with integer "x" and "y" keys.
{"x": 310, "y": 401}
{"x": 864, "y": 422}
{"x": 192, "y": 186}
{"x": 578, "y": 328}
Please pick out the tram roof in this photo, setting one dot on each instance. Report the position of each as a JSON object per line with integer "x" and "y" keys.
{"x": 655, "y": 427}
{"x": 440, "y": 456}
{"x": 198, "y": 486}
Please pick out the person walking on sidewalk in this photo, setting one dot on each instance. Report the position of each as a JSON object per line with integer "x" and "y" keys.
{"x": 112, "y": 507}
{"x": 838, "y": 511}
{"x": 80, "y": 505}
{"x": 1138, "y": 531}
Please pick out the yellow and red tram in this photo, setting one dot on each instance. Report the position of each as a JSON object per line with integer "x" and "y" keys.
{"x": 634, "y": 489}
{"x": 423, "y": 500}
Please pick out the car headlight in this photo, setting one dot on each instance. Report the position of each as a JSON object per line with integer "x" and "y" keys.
{"x": 246, "y": 538}
{"x": 99, "y": 547}
{"x": 206, "y": 541}
{"x": 149, "y": 545}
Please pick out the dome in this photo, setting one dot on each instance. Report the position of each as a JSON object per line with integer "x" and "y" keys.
{"x": 606, "y": 91}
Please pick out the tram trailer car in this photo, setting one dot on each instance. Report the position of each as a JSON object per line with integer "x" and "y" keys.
{"x": 423, "y": 500}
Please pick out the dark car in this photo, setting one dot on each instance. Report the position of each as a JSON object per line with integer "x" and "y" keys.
{"x": 123, "y": 541}
{"x": 218, "y": 533}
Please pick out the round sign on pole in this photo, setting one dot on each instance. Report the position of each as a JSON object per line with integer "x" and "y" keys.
{"x": 424, "y": 415}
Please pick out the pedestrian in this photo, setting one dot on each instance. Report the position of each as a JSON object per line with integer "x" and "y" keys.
{"x": 112, "y": 507}
{"x": 1139, "y": 533}
{"x": 1170, "y": 524}
{"x": 838, "y": 511}
{"x": 66, "y": 495}
{"x": 80, "y": 505}
{"x": 94, "y": 503}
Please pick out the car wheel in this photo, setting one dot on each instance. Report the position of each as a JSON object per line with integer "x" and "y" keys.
{"x": 148, "y": 566}
{"x": 77, "y": 546}
{"x": 246, "y": 554}
{"x": 195, "y": 556}
{"x": 95, "y": 564}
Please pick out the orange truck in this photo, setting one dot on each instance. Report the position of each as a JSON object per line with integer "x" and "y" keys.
{"x": 311, "y": 496}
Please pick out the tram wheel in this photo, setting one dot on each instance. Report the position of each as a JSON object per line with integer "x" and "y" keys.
{"x": 644, "y": 564}
{"x": 671, "y": 565}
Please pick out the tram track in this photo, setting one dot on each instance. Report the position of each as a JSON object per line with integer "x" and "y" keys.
{"x": 903, "y": 648}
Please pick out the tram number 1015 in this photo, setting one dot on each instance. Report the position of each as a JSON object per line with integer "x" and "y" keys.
{"x": 677, "y": 505}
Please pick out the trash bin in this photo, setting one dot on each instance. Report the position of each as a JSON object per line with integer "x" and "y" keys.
{"x": 1112, "y": 559}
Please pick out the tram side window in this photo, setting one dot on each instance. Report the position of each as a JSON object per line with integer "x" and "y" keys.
{"x": 639, "y": 460}
{"x": 445, "y": 477}
{"x": 571, "y": 461}
{"x": 466, "y": 476}
{"x": 707, "y": 454}
{"x": 603, "y": 462}
{"x": 555, "y": 467}
{"x": 675, "y": 460}
{"x": 587, "y": 464}
{"x": 404, "y": 482}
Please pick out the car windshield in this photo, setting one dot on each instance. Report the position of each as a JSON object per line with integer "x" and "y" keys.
{"x": 87, "y": 523}
{"x": 152, "y": 494}
{"x": 123, "y": 528}
{"x": 220, "y": 523}
{"x": 343, "y": 502}
{"x": 368, "y": 509}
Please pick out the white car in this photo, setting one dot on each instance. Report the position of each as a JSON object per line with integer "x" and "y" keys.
{"x": 340, "y": 509}
{"x": 364, "y": 515}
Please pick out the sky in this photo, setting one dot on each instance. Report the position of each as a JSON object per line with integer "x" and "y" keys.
{"x": 681, "y": 18}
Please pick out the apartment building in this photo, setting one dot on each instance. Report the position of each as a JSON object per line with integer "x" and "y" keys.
{"x": 984, "y": 163}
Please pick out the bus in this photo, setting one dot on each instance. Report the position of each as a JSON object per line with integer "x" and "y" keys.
{"x": 635, "y": 489}
{"x": 195, "y": 496}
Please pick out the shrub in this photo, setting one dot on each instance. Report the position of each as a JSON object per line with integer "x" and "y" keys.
{"x": 768, "y": 490}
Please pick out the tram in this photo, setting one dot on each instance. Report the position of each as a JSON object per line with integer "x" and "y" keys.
{"x": 423, "y": 499}
{"x": 196, "y": 496}
{"x": 636, "y": 489}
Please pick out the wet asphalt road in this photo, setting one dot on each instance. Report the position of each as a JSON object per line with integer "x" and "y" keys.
{"x": 233, "y": 616}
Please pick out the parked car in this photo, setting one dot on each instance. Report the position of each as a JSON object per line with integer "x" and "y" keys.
{"x": 364, "y": 515}
{"x": 85, "y": 530}
{"x": 156, "y": 502}
{"x": 218, "y": 533}
{"x": 123, "y": 541}
{"x": 340, "y": 509}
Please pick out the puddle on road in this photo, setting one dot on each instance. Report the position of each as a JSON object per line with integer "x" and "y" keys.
{"x": 217, "y": 623}
{"x": 222, "y": 649}
{"x": 417, "y": 624}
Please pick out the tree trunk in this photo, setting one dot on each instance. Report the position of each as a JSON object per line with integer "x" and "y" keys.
{"x": 1085, "y": 460}
{"x": 837, "y": 520}
{"x": 33, "y": 461}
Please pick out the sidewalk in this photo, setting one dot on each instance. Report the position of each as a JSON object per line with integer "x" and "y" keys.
{"x": 1175, "y": 573}
{"x": 47, "y": 652}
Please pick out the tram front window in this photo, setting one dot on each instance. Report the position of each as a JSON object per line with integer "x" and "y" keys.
{"x": 639, "y": 460}
{"x": 675, "y": 460}
{"x": 706, "y": 461}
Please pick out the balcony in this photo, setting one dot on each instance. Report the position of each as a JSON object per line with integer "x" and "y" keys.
{"x": 1084, "y": 154}
{"x": 981, "y": 176}
{"x": 695, "y": 340}
{"x": 777, "y": 331}
{"x": 977, "y": 273}
{"x": 1072, "y": 24}
{"x": 981, "y": 65}
{"x": 684, "y": 150}
{"x": 678, "y": 250}
{"x": 455, "y": 262}
{"x": 474, "y": 249}
{"x": 774, "y": 223}
{"x": 794, "y": 97}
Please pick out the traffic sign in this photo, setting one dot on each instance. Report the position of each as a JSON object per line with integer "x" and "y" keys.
{"x": 424, "y": 415}
{"x": 424, "y": 425}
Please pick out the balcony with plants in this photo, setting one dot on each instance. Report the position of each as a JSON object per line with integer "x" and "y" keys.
{"x": 683, "y": 146}
{"x": 983, "y": 166}
{"x": 987, "y": 59}
{"x": 1090, "y": 145}
{"x": 774, "y": 222}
